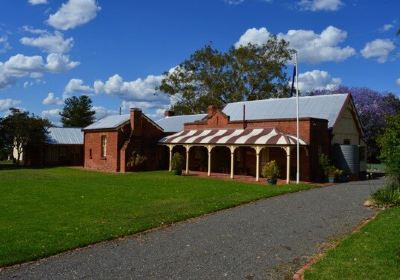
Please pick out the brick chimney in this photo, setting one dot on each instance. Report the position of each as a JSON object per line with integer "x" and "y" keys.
{"x": 169, "y": 113}
{"x": 136, "y": 114}
{"x": 211, "y": 110}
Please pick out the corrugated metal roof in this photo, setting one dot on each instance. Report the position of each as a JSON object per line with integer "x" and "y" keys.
{"x": 175, "y": 123}
{"x": 109, "y": 122}
{"x": 322, "y": 106}
{"x": 65, "y": 136}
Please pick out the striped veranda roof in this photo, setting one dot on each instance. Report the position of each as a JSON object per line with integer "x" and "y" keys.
{"x": 248, "y": 136}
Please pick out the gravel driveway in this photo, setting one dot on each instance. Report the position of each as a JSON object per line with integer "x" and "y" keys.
{"x": 268, "y": 239}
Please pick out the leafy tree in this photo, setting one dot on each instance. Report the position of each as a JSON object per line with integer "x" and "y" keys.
{"x": 3, "y": 148}
{"x": 20, "y": 129}
{"x": 389, "y": 142}
{"x": 372, "y": 107}
{"x": 210, "y": 76}
{"x": 77, "y": 112}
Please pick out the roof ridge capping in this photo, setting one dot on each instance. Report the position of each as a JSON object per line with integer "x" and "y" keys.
{"x": 177, "y": 116}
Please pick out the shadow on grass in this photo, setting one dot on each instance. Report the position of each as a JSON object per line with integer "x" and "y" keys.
{"x": 13, "y": 166}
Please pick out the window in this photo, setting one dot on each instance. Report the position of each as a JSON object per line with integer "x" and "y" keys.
{"x": 346, "y": 141}
{"x": 103, "y": 146}
{"x": 90, "y": 153}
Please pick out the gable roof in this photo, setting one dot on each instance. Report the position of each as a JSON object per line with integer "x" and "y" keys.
{"x": 65, "y": 136}
{"x": 321, "y": 106}
{"x": 115, "y": 121}
{"x": 175, "y": 123}
{"x": 109, "y": 122}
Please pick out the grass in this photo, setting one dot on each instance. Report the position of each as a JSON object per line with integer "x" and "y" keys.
{"x": 46, "y": 211}
{"x": 371, "y": 253}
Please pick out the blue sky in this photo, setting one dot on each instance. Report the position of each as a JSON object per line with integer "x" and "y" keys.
{"x": 116, "y": 51}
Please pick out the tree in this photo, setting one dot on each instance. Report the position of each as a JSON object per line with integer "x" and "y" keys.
{"x": 77, "y": 112}
{"x": 3, "y": 148}
{"x": 20, "y": 129}
{"x": 372, "y": 107}
{"x": 389, "y": 143}
{"x": 212, "y": 77}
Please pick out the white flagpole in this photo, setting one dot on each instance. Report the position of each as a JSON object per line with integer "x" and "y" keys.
{"x": 297, "y": 121}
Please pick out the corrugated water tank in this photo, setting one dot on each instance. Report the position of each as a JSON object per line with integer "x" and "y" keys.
{"x": 346, "y": 157}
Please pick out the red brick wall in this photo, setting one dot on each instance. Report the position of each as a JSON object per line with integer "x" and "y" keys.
{"x": 313, "y": 131}
{"x": 92, "y": 141}
{"x": 122, "y": 142}
{"x": 285, "y": 125}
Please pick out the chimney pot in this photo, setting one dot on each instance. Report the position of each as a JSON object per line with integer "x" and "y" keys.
{"x": 135, "y": 109}
{"x": 211, "y": 110}
{"x": 169, "y": 113}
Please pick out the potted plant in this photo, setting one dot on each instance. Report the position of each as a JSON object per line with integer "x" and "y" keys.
{"x": 331, "y": 171}
{"x": 271, "y": 172}
{"x": 338, "y": 175}
{"x": 177, "y": 163}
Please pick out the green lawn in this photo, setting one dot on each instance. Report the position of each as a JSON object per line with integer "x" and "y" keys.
{"x": 45, "y": 211}
{"x": 372, "y": 253}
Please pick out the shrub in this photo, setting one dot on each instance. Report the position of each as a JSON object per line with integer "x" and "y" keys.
{"x": 177, "y": 163}
{"x": 270, "y": 170}
{"x": 136, "y": 160}
{"x": 387, "y": 197}
{"x": 325, "y": 164}
{"x": 389, "y": 142}
{"x": 390, "y": 194}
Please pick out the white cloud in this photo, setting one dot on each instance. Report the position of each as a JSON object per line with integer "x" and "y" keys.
{"x": 311, "y": 47}
{"x": 37, "y": 2}
{"x": 238, "y": 2}
{"x": 74, "y": 13}
{"x": 398, "y": 82}
{"x": 102, "y": 112}
{"x": 140, "y": 93}
{"x": 52, "y": 115}
{"x": 51, "y": 99}
{"x": 387, "y": 27}
{"x": 254, "y": 36}
{"x": 317, "y": 80}
{"x": 8, "y": 103}
{"x": 77, "y": 86}
{"x": 4, "y": 44}
{"x": 50, "y": 43}
{"x": 320, "y": 5}
{"x": 315, "y": 48}
{"x": 32, "y": 30}
{"x": 378, "y": 49}
{"x": 20, "y": 65}
{"x": 233, "y": 2}
{"x": 60, "y": 63}
{"x": 136, "y": 90}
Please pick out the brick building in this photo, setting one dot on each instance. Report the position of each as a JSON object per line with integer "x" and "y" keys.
{"x": 242, "y": 137}
{"x": 111, "y": 143}
{"x": 237, "y": 140}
